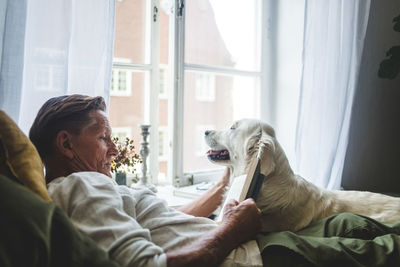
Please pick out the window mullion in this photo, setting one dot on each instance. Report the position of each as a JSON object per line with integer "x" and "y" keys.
{"x": 153, "y": 107}
{"x": 132, "y": 66}
{"x": 175, "y": 105}
{"x": 221, "y": 70}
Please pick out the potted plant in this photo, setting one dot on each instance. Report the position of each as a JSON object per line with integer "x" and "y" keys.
{"x": 126, "y": 160}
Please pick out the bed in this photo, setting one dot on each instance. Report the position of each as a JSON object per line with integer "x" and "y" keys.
{"x": 35, "y": 232}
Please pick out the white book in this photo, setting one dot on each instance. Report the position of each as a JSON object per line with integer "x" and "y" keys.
{"x": 244, "y": 186}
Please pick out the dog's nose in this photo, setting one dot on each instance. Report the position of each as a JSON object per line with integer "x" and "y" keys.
{"x": 207, "y": 132}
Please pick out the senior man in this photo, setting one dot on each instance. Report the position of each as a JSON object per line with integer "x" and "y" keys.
{"x": 73, "y": 137}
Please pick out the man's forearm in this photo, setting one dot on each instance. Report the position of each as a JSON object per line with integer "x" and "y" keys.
{"x": 211, "y": 250}
{"x": 207, "y": 203}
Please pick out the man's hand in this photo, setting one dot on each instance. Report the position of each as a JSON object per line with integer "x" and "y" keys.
{"x": 240, "y": 223}
{"x": 244, "y": 219}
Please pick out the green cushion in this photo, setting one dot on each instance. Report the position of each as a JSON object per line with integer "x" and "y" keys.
{"x": 37, "y": 233}
{"x": 19, "y": 158}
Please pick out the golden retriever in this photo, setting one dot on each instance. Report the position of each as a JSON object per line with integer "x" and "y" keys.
{"x": 287, "y": 201}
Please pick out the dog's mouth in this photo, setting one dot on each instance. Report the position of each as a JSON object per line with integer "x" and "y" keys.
{"x": 218, "y": 155}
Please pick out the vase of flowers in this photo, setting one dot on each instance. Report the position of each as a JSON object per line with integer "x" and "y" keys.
{"x": 126, "y": 160}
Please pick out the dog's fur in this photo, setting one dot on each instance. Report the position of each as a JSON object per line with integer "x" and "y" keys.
{"x": 287, "y": 201}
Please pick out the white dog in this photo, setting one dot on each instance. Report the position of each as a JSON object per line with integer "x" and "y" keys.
{"x": 287, "y": 201}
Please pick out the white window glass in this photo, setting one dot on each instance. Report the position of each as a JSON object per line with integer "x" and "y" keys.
{"x": 128, "y": 111}
{"x": 58, "y": 78}
{"x": 49, "y": 77}
{"x": 205, "y": 86}
{"x": 214, "y": 39}
{"x": 162, "y": 143}
{"x": 222, "y": 71}
{"x": 223, "y": 33}
{"x": 42, "y": 75}
{"x": 122, "y": 132}
{"x": 163, "y": 80}
{"x": 236, "y": 97}
{"x": 131, "y": 31}
{"x": 121, "y": 82}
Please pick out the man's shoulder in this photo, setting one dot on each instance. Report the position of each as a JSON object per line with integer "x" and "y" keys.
{"x": 81, "y": 180}
{"x": 92, "y": 177}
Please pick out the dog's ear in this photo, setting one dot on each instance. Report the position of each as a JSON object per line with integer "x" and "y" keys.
{"x": 261, "y": 145}
{"x": 266, "y": 151}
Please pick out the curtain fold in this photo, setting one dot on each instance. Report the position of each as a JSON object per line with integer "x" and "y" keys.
{"x": 333, "y": 43}
{"x": 12, "y": 35}
{"x": 65, "y": 47}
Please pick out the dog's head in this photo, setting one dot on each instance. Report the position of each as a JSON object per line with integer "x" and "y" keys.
{"x": 245, "y": 140}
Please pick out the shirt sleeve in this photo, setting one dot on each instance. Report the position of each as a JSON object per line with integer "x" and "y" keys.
{"x": 96, "y": 208}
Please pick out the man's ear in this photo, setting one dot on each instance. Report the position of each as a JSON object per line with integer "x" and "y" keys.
{"x": 64, "y": 145}
{"x": 266, "y": 151}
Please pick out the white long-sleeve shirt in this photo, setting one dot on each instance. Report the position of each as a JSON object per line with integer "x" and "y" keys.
{"x": 133, "y": 225}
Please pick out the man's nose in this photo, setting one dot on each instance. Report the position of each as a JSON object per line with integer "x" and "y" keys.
{"x": 113, "y": 149}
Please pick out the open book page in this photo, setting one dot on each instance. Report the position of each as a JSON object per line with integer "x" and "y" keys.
{"x": 251, "y": 182}
{"x": 244, "y": 186}
{"x": 233, "y": 193}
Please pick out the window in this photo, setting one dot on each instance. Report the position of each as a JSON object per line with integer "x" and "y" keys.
{"x": 184, "y": 73}
{"x": 163, "y": 82}
{"x": 205, "y": 86}
{"x": 222, "y": 78}
{"x": 121, "y": 82}
{"x": 49, "y": 76}
{"x": 162, "y": 143}
{"x": 121, "y": 132}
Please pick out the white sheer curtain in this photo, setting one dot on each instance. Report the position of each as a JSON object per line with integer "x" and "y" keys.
{"x": 53, "y": 47}
{"x": 333, "y": 44}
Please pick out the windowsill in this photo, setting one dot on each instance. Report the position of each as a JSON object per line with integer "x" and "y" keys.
{"x": 177, "y": 197}
{"x": 166, "y": 192}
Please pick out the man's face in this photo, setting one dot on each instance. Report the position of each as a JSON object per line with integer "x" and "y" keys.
{"x": 93, "y": 148}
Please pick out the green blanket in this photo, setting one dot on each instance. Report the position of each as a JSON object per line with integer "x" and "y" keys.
{"x": 342, "y": 240}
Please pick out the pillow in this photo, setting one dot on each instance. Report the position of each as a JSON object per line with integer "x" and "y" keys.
{"x": 36, "y": 233}
{"x": 19, "y": 158}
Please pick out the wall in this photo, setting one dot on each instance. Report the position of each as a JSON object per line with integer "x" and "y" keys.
{"x": 372, "y": 160}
